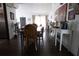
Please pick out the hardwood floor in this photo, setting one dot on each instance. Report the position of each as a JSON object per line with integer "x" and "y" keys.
{"x": 15, "y": 48}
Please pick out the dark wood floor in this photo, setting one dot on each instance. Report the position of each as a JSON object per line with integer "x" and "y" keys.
{"x": 15, "y": 48}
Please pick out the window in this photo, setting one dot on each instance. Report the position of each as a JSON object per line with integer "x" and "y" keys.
{"x": 40, "y": 20}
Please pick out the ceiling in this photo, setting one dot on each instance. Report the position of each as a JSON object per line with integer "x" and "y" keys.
{"x": 35, "y": 8}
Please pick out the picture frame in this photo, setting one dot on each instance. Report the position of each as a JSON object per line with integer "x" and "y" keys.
{"x": 77, "y": 9}
{"x": 11, "y": 15}
{"x": 71, "y": 5}
{"x": 62, "y": 12}
{"x": 71, "y": 15}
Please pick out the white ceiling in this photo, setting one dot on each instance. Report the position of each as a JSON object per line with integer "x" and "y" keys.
{"x": 35, "y": 8}
{"x": 29, "y": 9}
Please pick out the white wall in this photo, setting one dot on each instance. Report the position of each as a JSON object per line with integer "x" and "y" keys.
{"x": 54, "y": 7}
{"x": 11, "y": 22}
{"x": 72, "y": 44}
{"x": 75, "y": 40}
{"x": 29, "y": 9}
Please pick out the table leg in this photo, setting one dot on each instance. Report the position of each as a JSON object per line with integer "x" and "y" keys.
{"x": 61, "y": 35}
{"x": 55, "y": 38}
{"x": 39, "y": 41}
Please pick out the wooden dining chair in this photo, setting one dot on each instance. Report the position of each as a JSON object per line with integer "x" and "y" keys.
{"x": 30, "y": 33}
{"x": 40, "y": 35}
{"x": 35, "y": 25}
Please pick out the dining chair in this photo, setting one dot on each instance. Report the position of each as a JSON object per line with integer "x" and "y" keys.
{"x": 30, "y": 33}
{"x": 35, "y": 25}
{"x": 40, "y": 35}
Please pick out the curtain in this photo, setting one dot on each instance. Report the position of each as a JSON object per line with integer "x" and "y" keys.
{"x": 46, "y": 22}
{"x": 33, "y": 18}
